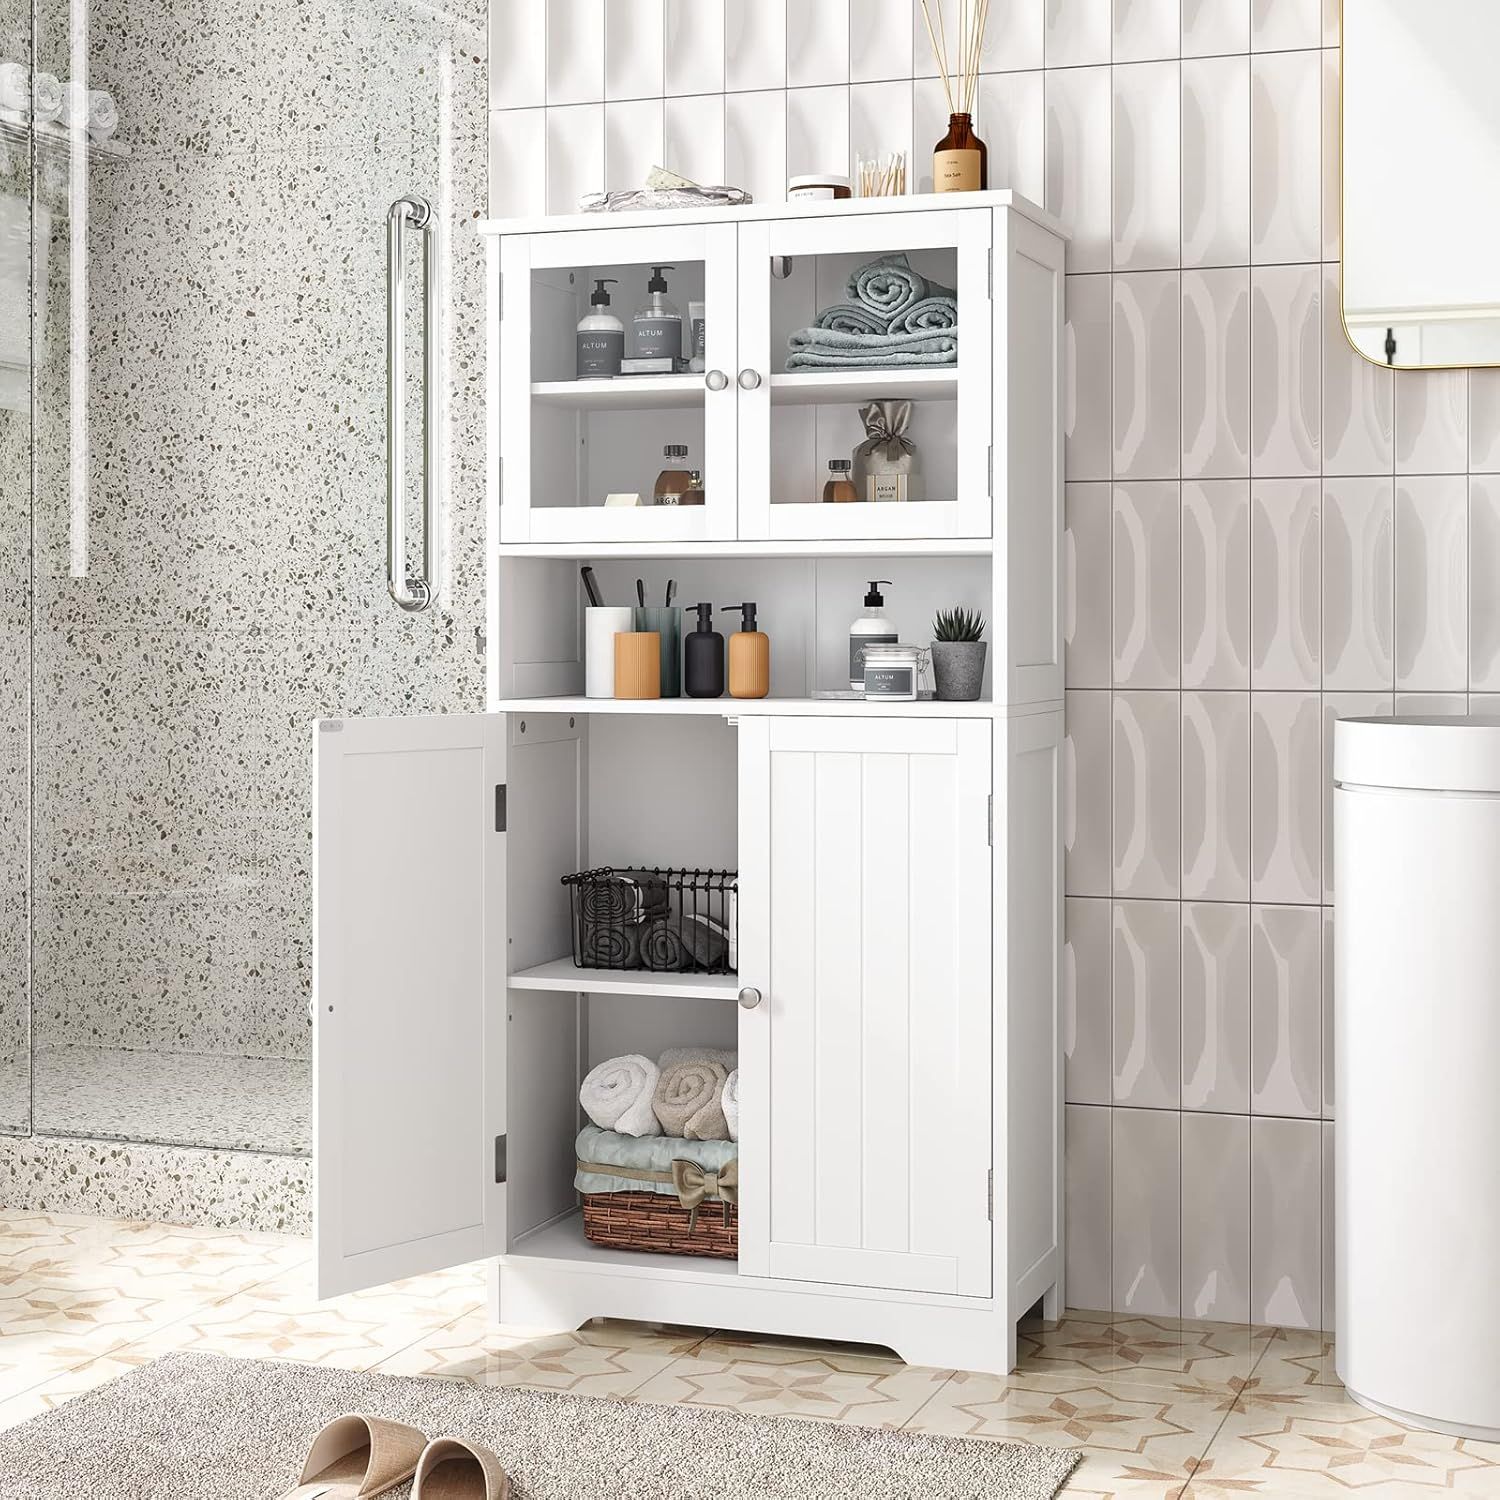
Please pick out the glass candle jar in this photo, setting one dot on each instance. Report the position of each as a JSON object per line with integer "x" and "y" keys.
{"x": 893, "y": 672}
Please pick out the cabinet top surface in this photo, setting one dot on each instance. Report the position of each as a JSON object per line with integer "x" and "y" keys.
{"x": 802, "y": 209}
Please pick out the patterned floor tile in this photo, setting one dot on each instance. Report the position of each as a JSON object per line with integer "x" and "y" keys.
{"x": 283, "y": 1319}
{"x": 1137, "y": 1434}
{"x": 66, "y": 1384}
{"x": 790, "y": 1378}
{"x": 1217, "y": 1358}
{"x": 1317, "y": 1450}
{"x": 1297, "y": 1366}
{"x": 1105, "y": 1476}
{"x": 604, "y": 1358}
{"x": 50, "y": 1325}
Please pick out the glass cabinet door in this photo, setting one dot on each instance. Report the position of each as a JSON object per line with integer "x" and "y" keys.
{"x": 866, "y": 342}
{"x": 603, "y": 427}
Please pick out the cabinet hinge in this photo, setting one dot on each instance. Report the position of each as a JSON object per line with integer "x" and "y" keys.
{"x": 499, "y": 1158}
{"x": 989, "y": 1194}
{"x": 989, "y": 836}
{"x": 500, "y": 809}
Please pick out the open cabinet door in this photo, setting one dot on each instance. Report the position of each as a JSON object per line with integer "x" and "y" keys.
{"x": 865, "y": 1069}
{"x": 408, "y": 994}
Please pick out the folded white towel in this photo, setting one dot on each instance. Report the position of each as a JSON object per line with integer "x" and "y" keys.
{"x": 15, "y": 87}
{"x": 726, "y": 1057}
{"x": 617, "y": 1095}
{"x": 104, "y": 117}
{"x": 46, "y": 98}
{"x": 89, "y": 109}
{"x": 729, "y": 1102}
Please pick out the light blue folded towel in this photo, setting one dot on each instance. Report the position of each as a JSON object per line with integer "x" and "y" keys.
{"x": 828, "y": 349}
{"x": 648, "y": 1153}
{"x": 890, "y": 287}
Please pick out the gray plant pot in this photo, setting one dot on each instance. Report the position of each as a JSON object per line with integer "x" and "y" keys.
{"x": 958, "y": 669}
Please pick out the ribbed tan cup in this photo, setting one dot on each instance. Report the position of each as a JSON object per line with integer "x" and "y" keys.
{"x": 638, "y": 664}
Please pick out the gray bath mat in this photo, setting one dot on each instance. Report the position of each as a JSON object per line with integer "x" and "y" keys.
{"x": 233, "y": 1429}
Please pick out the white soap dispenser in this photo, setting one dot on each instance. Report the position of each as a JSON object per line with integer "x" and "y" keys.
{"x": 601, "y": 336}
{"x": 872, "y": 628}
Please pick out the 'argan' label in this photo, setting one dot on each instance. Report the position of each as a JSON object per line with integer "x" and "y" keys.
{"x": 955, "y": 171}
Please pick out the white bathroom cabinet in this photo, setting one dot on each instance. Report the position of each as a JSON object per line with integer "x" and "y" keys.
{"x": 899, "y": 864}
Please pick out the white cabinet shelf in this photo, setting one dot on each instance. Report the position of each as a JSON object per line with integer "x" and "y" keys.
{"x": 738, "y": 708}
{"x": 563, "y": 975}
{"x": 565, "y": 1243}
{"x": 851, "y": 387}
{"x": 625, "y": 393}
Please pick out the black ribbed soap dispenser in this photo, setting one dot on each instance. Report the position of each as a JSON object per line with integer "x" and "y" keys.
{"x": 703, "y": 657}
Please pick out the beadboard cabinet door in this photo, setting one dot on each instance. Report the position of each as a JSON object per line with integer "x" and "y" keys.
{"x": 866, "y": 1072}
{"x": 408, "y": 995}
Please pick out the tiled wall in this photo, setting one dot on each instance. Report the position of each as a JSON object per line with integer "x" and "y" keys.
{"x": 1264, "y": 533}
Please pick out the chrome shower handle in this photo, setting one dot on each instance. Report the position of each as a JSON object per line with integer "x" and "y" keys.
{"x": 412, "y": 593}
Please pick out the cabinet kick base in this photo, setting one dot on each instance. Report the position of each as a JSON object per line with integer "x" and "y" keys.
{"x": 541, "y": 1286}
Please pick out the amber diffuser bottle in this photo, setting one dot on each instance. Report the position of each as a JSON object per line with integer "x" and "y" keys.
{"x": 960, "y": 161}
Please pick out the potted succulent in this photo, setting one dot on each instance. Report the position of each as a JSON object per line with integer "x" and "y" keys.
{"x": 958, "y": 654}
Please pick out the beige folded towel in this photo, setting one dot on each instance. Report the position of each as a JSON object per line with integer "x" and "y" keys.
{"x": 688, "y": 1101}
{"x": 726, "y": 1057}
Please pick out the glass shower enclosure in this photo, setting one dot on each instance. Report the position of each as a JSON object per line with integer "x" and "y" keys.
{"x": 196, "y": 214}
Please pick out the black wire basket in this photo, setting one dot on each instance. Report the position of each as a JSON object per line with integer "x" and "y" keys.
{"x": 664, "y": 921}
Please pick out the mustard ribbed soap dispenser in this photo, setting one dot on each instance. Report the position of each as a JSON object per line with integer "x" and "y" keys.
{"x": 749, "y": 657}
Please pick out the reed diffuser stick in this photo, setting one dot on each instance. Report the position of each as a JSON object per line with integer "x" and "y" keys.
{"x": 939, "y": 52}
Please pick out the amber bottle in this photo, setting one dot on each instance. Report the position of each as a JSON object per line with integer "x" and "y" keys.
{"x": 960, "y": 161}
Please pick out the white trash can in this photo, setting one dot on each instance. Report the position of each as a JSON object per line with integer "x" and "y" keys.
{"x": 1417, "y": 1069}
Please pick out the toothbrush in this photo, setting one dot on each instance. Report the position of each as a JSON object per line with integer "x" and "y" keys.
{"x": 592, "y": 588}
{"x": 671, "y": 591}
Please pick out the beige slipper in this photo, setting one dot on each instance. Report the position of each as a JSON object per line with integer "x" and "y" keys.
{"x": 356, "y": 1457}
{"x": 452, "y": 1469}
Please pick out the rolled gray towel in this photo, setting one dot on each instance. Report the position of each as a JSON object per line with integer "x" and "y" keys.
{"x": 853, "y": 317}
{"x": 611, "y": 945}
{"x": 887, "y": 286}
{"x": 662, "y": 949}
{"x": 929, "y": 315}
{"x": 890, "y": 287}
{"x": 622, "y": 897}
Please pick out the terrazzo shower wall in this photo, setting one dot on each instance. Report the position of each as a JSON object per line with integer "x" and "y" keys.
{"x": 1263, "y": 533}
{"x": 213, "y": 577}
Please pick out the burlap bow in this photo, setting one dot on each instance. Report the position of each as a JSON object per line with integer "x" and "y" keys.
{"x": 697, "y": 1184}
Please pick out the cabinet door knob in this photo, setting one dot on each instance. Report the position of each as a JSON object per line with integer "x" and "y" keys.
{"x": 716, "y": 380}
{"x": 749, "y": 379}
{"x": 750, "y": 997}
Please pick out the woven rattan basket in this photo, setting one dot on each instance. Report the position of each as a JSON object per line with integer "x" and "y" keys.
{"x": 656, "y": 1223}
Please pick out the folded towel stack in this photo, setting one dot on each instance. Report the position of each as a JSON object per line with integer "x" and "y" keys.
{"x": 893, "y": 317}
{"x": 598, "y": 1150}
{"x": 683, "y": 1095}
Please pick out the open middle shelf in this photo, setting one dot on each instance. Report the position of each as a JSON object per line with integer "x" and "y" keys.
{"x": 734, "y": 708}
{"x": 564, "y": 975}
